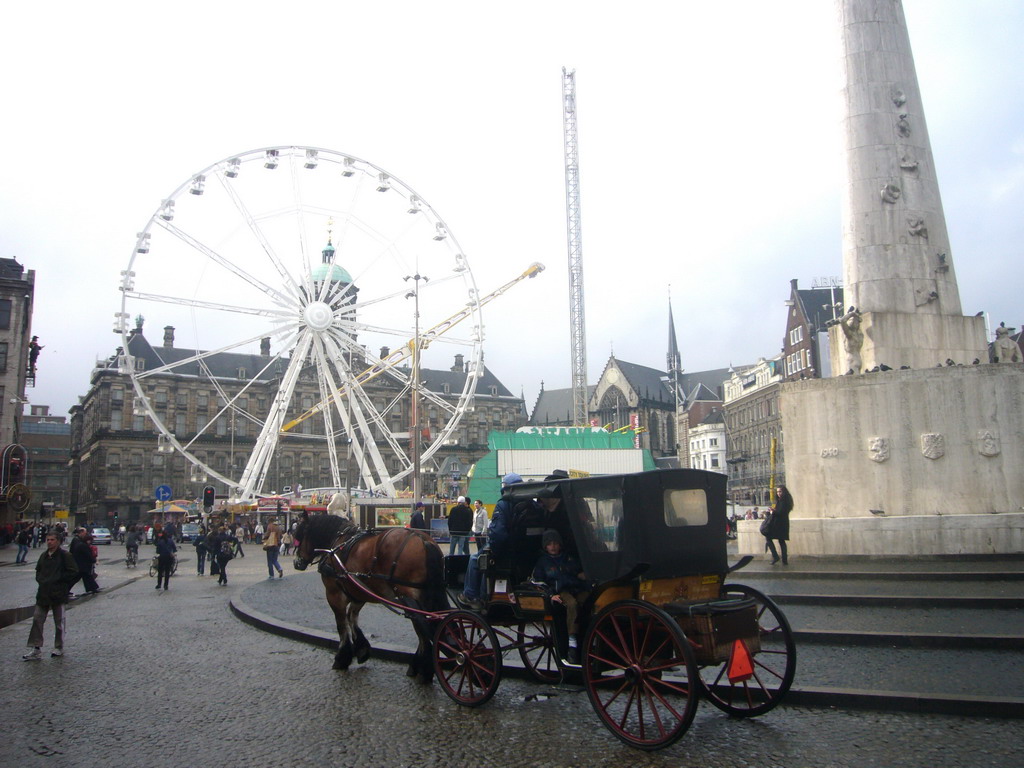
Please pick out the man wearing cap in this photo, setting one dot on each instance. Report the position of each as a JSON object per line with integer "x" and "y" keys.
{"x": 417, "y": 521}
{"x": 564, "y": 577}
{"x": 460, "y": 521}
{"x": 497, "y": 537}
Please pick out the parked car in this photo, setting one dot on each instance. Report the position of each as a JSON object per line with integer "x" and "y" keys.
{"x": 189, "y": 532}
{"x": 101, "y": 536}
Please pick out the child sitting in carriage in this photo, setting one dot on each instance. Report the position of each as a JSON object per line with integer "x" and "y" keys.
{"x": 564, "y": 576}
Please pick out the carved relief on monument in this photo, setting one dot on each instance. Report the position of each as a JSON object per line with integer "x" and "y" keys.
{"x": 903, "y": 125}
{"x": 899, "y": 98}
{"x": 916, "y": 227}
{"x": 878, "y": 449}
{"x": 830, "y": 453}
{"x": 908, "y": 163}
{"x": 891, "y": 193}
{"x": 988, "y": 443}
{"x": 933, "y": 445}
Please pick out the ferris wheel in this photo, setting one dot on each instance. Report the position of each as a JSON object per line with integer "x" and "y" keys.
{"x": 299, "y": 289}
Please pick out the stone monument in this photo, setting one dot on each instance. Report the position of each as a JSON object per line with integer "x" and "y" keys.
{"x": 916, "y": 445}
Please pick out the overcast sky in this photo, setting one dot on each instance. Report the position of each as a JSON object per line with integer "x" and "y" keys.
{"x": 708, "y": 133}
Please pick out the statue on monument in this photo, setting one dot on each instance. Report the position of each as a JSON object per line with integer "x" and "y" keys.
{"x": 1005, "y": 349}
{"x": 853, "y": 338}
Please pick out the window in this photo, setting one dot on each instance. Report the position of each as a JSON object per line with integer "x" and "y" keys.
{"x": 600, "y": 518}
{"x": 140, "y": 364}
{"x": 202, "y": 399}
{"x": 179, "y": 424}
{"x": 689, "y": 507}
{"x": 160, "y": 397}
{"x": 5, "y": 313}
{"x": 3, "y": 356}
{"x": 138, "y": 423}
{"x": 181, "y": 399}
{"x": 116, "y": 422}
{"x": 713, "y": 442}
{"x": 714, "y": 460}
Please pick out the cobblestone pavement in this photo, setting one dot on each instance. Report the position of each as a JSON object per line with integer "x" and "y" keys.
{"x": 173, "y": 679}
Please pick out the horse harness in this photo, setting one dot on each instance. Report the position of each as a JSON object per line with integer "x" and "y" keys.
{"x": 340, "y": 555}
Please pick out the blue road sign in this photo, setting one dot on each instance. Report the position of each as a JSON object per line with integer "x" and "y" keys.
{"x": 163, "y": 493}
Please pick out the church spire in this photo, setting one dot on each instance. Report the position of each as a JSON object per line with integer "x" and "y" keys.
{"x": 674, "y": 362}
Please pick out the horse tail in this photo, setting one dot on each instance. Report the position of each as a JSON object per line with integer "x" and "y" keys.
{"x": 435, "y": 596}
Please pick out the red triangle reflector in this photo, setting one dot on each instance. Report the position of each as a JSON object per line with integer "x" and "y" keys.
{"x": 741, "y": 666}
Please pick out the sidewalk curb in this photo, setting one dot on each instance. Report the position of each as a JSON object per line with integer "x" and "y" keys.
{"x": 837, "y": 698}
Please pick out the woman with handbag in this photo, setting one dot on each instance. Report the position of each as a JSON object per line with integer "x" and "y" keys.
{"x": 777, "y": 525}
{"x": 272, "y": 546}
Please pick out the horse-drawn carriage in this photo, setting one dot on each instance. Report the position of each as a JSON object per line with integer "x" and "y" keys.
{"x": 661, "y": 628}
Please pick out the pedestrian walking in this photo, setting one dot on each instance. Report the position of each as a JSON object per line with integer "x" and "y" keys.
{"x": 56, "y": 571}
{"x": 23, "y": 538}
{"x": 226, "y": 545}
{"x": 480, "y": 522}
{"x": 165, "y": 549}
{"x": 239, "y": 537}
{"x": 777, "y": 525}
{"x": 286, "y": 542}
{"x": 85, "y": 558}
{"x": 200, "y": 544}
{"x": 272, "y": 546}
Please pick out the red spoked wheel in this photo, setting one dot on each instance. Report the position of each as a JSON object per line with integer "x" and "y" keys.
{"x": 537, "y": 650}
{"x": 467, "y": 658}
{"x": 772, "y": 667}
{"x": 640, "y": 674}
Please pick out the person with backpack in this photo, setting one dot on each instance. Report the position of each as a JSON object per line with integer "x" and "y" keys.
{"x": 225, "y": 550}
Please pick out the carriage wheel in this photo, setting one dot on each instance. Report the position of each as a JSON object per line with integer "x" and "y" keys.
{"x": 773, "y": 666}
{"x": 467, "y": 658}
{"x": 640, "y": 674}
{"x": 537, "y": 650}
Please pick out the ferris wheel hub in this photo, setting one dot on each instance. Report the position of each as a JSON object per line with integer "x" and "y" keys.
{"x": 318, "y": 316}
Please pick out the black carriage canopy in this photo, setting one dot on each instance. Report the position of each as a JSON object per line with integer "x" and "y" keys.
{"x": 674, "y": 520}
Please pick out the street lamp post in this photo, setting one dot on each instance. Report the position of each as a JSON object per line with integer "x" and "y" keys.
{"x": 414, "y": 416}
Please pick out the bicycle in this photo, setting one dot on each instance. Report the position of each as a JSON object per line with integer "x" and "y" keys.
{"x": 156, "y": 560}
{"x": 131, "y": 558}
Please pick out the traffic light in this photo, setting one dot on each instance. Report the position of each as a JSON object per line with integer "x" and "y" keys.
{"x": 209, "y": 497}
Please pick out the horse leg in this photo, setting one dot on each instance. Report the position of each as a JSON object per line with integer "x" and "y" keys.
{"x": 422, "y": 664}
{"x": 339, "y": 603}
{"x": 360, "y": 645}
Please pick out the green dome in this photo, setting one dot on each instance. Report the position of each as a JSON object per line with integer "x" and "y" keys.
{"x": 331, "y": 272}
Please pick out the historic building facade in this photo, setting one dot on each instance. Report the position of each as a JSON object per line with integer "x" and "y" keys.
{"x": 47, "y": 441}
{"x": 17, "y": 293}
{"x": 753, "y": 426}
{"x": 805, "y": 352}
{"x": 117, "y": 464}
{"x": 708, "y": 444}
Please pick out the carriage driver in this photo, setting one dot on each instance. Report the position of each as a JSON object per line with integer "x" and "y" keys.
{"x": 564, "y": 576}
{"x": 497, "y": 536}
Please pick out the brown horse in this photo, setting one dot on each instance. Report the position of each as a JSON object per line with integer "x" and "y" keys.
{"x": 397, "y": 565}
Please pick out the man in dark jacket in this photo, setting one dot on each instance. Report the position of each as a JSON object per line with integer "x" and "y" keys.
{"x": 56, "y": 571}
{"x": 497, "y": 535}
{"x": 460, "y": 522}
{"x": 81, "y": 550}
{"x": 416, "y": 520}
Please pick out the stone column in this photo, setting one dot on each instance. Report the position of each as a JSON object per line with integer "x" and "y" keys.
{"x": 897, "y": 264}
